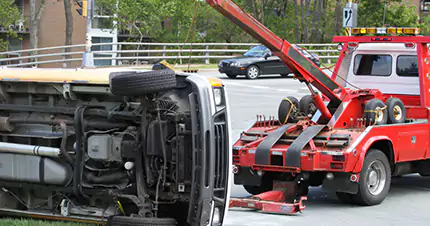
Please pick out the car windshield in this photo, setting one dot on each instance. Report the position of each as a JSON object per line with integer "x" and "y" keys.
{"x": 257, "y": 51}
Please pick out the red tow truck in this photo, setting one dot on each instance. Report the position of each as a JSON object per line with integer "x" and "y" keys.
{"x": 368, "y": 123}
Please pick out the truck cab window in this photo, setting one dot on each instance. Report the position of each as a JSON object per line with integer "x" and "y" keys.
{"x": 372, "y": 65}
{"x": 407, "y": 66}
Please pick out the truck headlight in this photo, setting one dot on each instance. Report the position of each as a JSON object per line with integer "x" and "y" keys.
{"x": 218, "y": 91}
{"x": 218, "y": 96}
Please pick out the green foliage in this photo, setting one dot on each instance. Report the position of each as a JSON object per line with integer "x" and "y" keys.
{"x": 398, "y": 13}
{"x": 9, "y": 14}
{"x": 297, "y": 20}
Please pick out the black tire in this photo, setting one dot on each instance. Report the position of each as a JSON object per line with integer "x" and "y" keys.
{"x": 284, "y": 108}
{"x": 364, "y": 196}
{"x": 396, "y": 111}
{"x": 132, "y": 221}
{"x": 141, "y": 83}
{"x": 252, "y": 72}
{"x": 307, "y": 105}
{"x": 370, "y": 114}
{"x": 266, "y": 185}
{"x": 345, "y": 198}
{"x": 232, "y": 76}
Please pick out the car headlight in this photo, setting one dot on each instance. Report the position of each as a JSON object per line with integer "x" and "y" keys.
{"x": 235, "y": 64}
{"x": 218, "y": 96}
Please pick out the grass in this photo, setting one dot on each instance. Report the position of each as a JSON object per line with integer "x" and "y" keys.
{"x": 30, "y": 222}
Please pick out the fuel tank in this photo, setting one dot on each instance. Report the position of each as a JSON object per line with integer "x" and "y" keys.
{"x": 34, "y": 169}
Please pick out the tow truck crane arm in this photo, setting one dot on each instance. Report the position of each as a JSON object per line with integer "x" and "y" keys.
{"x": 304, "y": 69}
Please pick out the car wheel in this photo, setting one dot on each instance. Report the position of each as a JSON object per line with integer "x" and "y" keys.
{"x": 231, "y": 75}
{"x": 375, "y": 112}
{"x": 252, "y": 72}
{"x": 396, "y": 111}
{"x": 307, "y": 105}
{"x": 375, "y": 179}
{"x": 286, "y": 112}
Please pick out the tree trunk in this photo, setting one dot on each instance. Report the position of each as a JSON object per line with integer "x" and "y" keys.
{"x": 306, "y": 22}
{"x": 302, "y": 19}
{"x": 69, "y": 29}
{"x": 262, "y": 11}
{"x": 254, "y": 9}
{"x": 283, "y": 18}
{"x": 35, "y": 15}
{"x": 338, "y": 17}
{"x": 296, "y": 15}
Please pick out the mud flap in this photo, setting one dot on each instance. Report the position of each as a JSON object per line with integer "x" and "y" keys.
{"x": 292, "y": 157}
{"x": 262, "y": 153}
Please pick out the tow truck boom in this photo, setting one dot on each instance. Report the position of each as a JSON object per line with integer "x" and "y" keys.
{"x": 304, "y": 69}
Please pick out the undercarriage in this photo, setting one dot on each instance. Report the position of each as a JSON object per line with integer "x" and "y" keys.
{"x": 116, "y": 153}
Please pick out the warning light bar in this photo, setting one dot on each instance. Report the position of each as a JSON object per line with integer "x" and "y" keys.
{"x": 385, "y": 30}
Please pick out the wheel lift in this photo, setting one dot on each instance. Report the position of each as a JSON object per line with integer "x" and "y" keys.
{"x": 280, "y": 200}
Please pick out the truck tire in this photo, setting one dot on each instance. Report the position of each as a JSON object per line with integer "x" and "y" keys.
{"x": 134, "y": 221}
{"x": 284, "y": 108}
{"x": 307, "y": 105}
{"x": 375, "y": 110}
{"x": 345, "y": 198}
{"x": 375, "y": 179}
{"x": 266, "y": 185}
{"x": 396, "y": 111}
{"x": 141, "y": 83}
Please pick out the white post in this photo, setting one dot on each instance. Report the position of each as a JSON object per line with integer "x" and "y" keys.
{"x": 207, "y": 55}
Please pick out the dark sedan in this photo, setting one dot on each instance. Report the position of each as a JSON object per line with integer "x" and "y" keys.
{"x": 257, "y": 61}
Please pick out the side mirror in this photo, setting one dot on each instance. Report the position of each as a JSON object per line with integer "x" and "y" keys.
{"x": 266, "y": 56}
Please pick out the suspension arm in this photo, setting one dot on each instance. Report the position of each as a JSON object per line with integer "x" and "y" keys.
{"x": 304, "y": 69}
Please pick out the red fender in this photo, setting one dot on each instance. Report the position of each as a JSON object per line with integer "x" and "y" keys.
{"x": 365, "y": 148}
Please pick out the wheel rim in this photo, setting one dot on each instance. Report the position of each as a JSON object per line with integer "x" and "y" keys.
{"x": 311, "y": 108}
{"x": 379, "y": 115}
{"x": 376, "y": 178}
{"x": 253, "y": 72}
{"x": 398, "y": 114}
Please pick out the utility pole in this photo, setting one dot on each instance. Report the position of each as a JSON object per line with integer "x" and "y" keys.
{"x": 88, "y": 56}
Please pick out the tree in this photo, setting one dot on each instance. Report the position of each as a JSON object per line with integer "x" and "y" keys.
{"x": 9, "y": 15}
{"x": 398, "y": 13}
{"x": 69, "y": 28}
{"x": 35, "y": 15}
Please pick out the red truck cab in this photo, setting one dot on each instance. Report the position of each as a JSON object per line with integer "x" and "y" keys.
{"x": 377, "y": 129}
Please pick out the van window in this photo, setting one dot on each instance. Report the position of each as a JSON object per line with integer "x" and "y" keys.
{"x": 372, "y": 65}
{"x": 407, "y": 66}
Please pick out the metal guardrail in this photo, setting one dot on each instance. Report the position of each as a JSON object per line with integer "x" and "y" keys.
{"x": 132, "y": 53}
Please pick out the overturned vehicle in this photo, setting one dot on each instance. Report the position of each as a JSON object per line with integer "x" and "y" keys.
{"x": 117, "y": 147}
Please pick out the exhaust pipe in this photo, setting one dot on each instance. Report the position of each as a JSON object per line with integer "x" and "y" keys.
{"x": 29, "y": 149}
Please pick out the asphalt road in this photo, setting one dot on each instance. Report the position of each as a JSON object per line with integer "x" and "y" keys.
{"x": 408, "y": 202}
